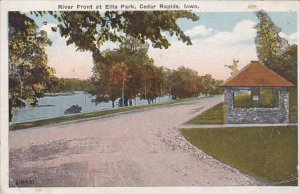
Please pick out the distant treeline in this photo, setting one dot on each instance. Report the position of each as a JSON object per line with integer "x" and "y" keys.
{"x": 123, "y": 74}
{"x": 128, "y": 72}
{"x": 70, "y": 85}
{"x": 180, "y": 83}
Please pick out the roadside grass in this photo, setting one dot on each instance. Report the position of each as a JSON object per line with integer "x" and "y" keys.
{"x": 266, "y": 153}
{"x": 80, "y": 116}
{"x": 216, "y": 114}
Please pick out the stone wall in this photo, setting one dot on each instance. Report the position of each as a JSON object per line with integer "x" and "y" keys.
{"x": 279, "y": 114}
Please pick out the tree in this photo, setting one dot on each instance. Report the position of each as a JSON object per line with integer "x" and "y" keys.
{"x": 186, "y": 83}
{"x": 71, "y": 85}
{"x": 167, "y": 84}
{"x": 269, "y": 44}
{"x": 274, "y": 50}
{"x": 287, "y": 68}
{"x": 28, "y": 70}
{"x": 53, "y": 84}
{"x": 109, "y": 77}
{"x": 152, "y": 79}
{"x": 132, "y": 57}
{"x": 183, "y": 83}
{"x": 134, "y": 53}
{"x": 100, "y": 78}
{"x": 88, "y": 31}
{"x": 118, "y": 75}
{"x": 208, "y": 85}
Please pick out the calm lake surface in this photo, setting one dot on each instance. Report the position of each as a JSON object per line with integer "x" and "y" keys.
{"x": 54, "y": 106}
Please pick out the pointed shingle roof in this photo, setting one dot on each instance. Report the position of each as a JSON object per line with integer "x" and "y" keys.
{"x": 256, "y": 74}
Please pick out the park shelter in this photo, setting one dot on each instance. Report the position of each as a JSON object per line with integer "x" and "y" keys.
{"x": 256, "y": 94}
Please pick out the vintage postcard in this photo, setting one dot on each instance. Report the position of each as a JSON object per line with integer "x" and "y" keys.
{"x": 149, "y": 96}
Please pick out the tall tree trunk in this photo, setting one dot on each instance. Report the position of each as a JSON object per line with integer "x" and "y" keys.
{"x": 130, "y": 102}
{"x": 123, "y": 87}
{"x": 10, "y": 111}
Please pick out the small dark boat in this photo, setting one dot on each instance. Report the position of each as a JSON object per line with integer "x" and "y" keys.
{"x": 73, "y": 109}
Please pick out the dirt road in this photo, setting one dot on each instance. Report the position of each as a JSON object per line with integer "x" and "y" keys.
{"x": 136, "y": 149}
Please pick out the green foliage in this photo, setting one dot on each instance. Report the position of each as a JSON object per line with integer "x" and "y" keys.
{"x": 128, "y": 68}
{"x": 208, "y": 85}
{"x": 287, "y": 67}
{"x": 73, "y": 84}
{"x": 185, "y": 82}
{"x": 273, "y": 50}
{"x": 269, "y": 45}
{"x": 152, "y": 78}
{"x": 267, "y": 153}
{"x": 29, "y": 75}
{"x": 214, "y": 115}
{"x": 143, "y": 78}
{"x": 88, "y": 30}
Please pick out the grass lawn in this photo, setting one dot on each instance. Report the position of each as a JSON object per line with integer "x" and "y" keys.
{"x": 74, "y": 117}
{"x": 216, "y": 114}
{"x": 266, "y": 153}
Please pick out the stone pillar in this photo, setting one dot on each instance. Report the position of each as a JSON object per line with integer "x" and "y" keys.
{"x": 255, "y": 96}
{"x": 228, "y": 100}
{"x": 285, "y": 104}
{"x": 276, "y": 97}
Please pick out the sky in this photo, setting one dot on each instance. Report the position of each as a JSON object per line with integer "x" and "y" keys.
{"x": 217, "y": 37}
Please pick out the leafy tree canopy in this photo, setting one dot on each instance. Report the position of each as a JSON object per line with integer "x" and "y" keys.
{"x": 269, "y": 44}
{"x": 125, "y": 68}
{"x": 274, "y": 50}
{"x": 29, "y": 75}
{"x": 90, "y": 29}
{"x": 28, "y": 70}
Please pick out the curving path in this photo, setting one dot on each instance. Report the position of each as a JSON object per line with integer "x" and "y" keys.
{"x": 142, "y": 148}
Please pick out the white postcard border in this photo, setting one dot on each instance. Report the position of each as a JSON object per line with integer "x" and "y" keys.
{"x": 204, "y": 6}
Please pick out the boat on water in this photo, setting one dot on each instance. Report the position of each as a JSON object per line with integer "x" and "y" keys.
{"x": 73, "y": 109}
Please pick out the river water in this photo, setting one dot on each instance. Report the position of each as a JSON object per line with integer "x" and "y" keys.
{"x": 54, "y": 106}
